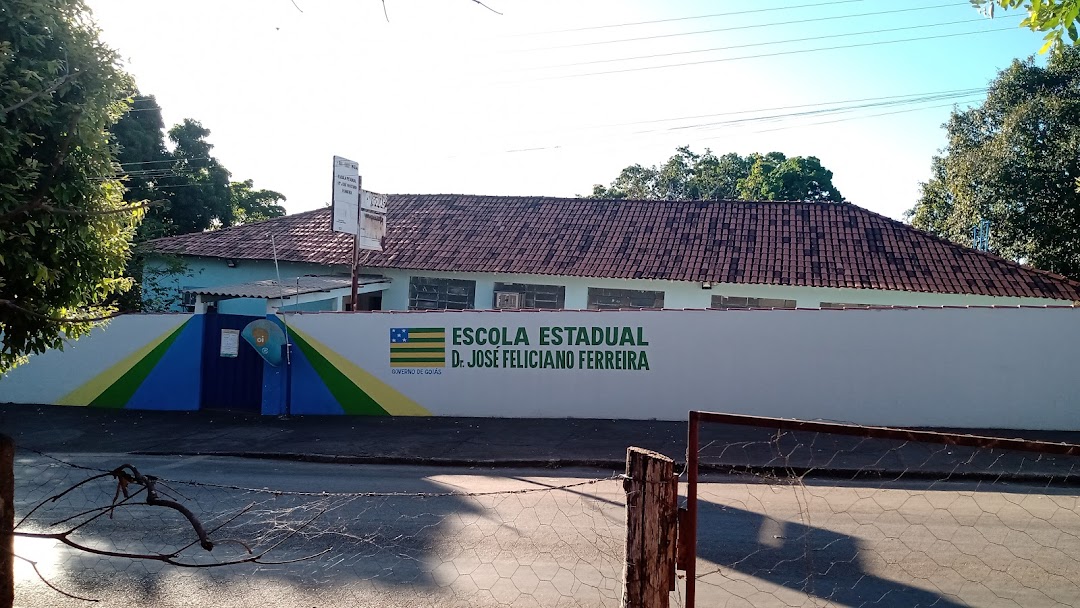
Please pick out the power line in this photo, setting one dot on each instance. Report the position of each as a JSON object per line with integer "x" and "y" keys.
{"x": 777, "y": 54}
{"x": 826, "y": 122}
{"x": 167, "y": 160}
{"x": 823, "y": 111}
{"x": 957, "y": 92}
{"x": 775, "y": 118}
{"x": 673, "y": 19}
{"x": 754, "y": 44}
{"x": 745, "y": 27}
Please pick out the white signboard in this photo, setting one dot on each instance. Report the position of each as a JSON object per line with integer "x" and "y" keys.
{"x": 372, "y": 201}
{"x": 372, "y": 230}
{"x": 230, "y": 342}
{"x": 346, "y": 200}
{"x": 372, "y": 220}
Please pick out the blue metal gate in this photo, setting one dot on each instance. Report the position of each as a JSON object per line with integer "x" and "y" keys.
{"x": 230, "y": 383}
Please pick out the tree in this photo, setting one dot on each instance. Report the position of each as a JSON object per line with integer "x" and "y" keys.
{"x": 254, "y": 205}
{"x": 773, "y": 177}
{"x": 198, "y": 187}
{"x": 140, "y": 141}
{"x": 190, "y": 189}
{"x": 65, "y": 229}
{"x": 691, "y": 176}
{"x": 1015, "y": 161}
{"x": 1055, "y": 17}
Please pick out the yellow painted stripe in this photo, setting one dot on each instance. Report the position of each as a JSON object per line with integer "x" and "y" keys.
{"x": 426, "y": 334}
{"x": 417, "y": 355}
{"x": 90, "y": 389}
{"x": 407, "y": 345}
{"x": 395, "y": 403}
{"x": 419, "y": 364}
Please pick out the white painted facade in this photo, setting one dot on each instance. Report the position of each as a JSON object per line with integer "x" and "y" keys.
{"x": 209, "y": 272}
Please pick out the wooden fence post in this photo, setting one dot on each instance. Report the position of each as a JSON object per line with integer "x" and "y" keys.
{"x": 651, "y": 520}
{"x": 7, "y": 522}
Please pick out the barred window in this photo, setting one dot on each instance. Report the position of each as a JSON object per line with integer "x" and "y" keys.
{"x": 428, "y": 293}
{"x": 609, "y": 299}
{"x": 739, "y": 302}
{"x": 533, "y": 296}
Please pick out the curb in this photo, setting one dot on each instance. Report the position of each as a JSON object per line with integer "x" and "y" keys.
{"x": 766, "y": 472}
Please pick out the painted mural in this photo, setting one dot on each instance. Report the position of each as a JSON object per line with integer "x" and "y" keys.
{"x": 135, "y": 361}
{"x": 903, "y": 367}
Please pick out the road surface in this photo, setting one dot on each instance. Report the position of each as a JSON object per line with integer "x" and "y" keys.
{"x": 413, "y": 536}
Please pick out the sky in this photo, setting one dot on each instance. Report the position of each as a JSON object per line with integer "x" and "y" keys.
{"x": 551, "y": 97}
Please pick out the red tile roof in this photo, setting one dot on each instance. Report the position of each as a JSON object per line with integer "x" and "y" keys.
{"x": 775, "y": 243}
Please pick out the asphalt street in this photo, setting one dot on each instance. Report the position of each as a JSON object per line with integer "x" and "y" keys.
{"x": 481, "y": 536}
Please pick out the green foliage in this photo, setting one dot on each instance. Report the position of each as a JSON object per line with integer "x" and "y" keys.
{"x": 254, "y": 205}
{"x": 1057, "y": 18}
{"x": 65, "y": 230}
{"x": 198, "y": 196}
{"x": 1015, "y": 161}
{"x": 190, "y": 190}
{"x": 691, "y": 176}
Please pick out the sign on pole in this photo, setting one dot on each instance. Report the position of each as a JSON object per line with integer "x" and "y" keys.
{"x": 372, "y": 220}
{"x": 345, "y": 203}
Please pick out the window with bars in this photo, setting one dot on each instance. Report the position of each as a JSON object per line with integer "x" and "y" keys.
{"x": 532, "y": 296}
{"x": 610, "y": 299}
{"x": 740, "y": 302}
{"x": 428, "y": 293}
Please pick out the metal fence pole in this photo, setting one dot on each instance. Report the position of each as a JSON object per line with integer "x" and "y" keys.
{"x": 691, "y": 509}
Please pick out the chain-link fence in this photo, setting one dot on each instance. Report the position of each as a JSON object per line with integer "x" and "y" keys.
{"x": 379, "y": 536}
{"x": 810, "y": 518}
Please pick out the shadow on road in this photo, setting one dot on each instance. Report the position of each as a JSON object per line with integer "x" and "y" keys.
{"x": 407, "y": 535}
{"x": 756, "y": 554}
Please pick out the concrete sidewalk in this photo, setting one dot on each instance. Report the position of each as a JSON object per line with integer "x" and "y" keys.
{"x": 508, "y": 442}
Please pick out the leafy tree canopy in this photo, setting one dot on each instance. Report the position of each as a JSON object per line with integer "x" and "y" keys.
{"x": 65, "y": 230}
{"x": 1014, "y": 161}
{"x": 691, "y": 176}
{"x": 190, "y": 189}
{"x": 1057, "y": 18}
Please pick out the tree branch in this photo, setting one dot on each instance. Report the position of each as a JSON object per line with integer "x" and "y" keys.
{"x": 100, "y": 212}
{"x": 33, "y": 565}
{"x": 39, "y": 204}
{"x": 49, "y": 89}
{"x": 153, "y": 499}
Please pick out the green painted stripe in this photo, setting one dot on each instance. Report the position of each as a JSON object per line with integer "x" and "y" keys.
{"x": 395, "y": 349}
{"x": 438, "y": 340}
{"x": 426, "y": 330}
{"x": 120, "y": 392}
{"x": 417, "y": 359}
{"x": 350, "y": 397}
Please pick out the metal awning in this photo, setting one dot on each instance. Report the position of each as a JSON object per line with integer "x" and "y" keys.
{"x": 270, "y": 289}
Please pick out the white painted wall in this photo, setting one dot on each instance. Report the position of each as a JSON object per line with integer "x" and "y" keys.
{"x": 968, "y": 368}
{"x": 206, "y": 272}
{"x": 683, "y": 294}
